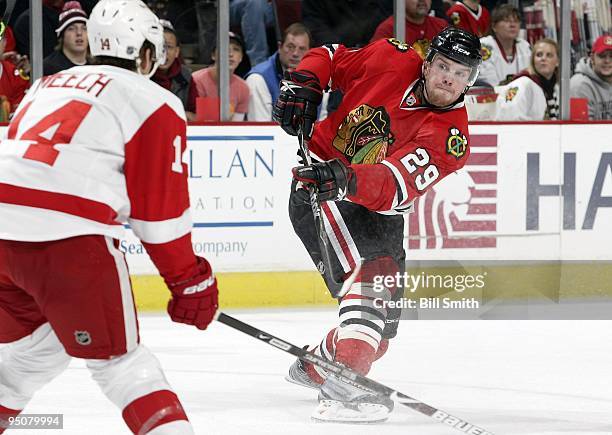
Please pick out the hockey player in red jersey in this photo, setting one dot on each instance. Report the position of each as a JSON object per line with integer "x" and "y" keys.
{"x": 91, "y": 149}
{"x": 401, "y": 128}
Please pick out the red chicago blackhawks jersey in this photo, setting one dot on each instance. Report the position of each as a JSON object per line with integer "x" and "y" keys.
{"x": 90, "y": 149}
{"x": 476, "y": 22}
{"x": 397, "y": 145}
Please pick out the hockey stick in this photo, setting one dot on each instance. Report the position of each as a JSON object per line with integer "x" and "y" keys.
{"x": 320, "y": 228}
{"x": 349, "y": 376}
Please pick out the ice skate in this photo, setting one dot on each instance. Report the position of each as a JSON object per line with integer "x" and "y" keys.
{"x": 340, "y": 402}
{"x": 297, "y": 375}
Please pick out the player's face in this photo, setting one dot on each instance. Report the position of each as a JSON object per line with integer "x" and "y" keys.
{"x": 602, "y": 65}
{"x": 508, "y": 28}
{"x": 545, "y": 59}
{"x": 75, "y": 38}
{"x": 417, "y": 8}
{"x": 291, "y": 52}
{"x": 172, "y": 50}
{"x": 445, "y": 80}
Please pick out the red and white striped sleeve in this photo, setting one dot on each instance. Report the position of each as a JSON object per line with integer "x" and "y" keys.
{"x": 156, "y": 180}
{"x": 440, "y": 148}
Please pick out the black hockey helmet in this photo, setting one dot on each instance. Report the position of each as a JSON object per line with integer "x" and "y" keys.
{"x": 458, "y": 45}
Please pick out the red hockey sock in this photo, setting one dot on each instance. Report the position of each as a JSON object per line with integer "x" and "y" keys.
{"x": 312, "y": 373}
{"x": 355, "y": 354}
{"x": 382, "y": 349}
{"x": 5, "y": 413}
{"x": 152, "y": 410}
{"x": 359, "y": 341}
{"x": 327, "y": 350}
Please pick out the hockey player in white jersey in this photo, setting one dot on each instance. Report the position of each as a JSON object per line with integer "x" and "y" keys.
{"x": 88, "y": 150}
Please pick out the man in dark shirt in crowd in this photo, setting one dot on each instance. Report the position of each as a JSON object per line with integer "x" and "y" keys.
{"x": 50, "y": 19}
{"x": 344, "y": 22}
{"x": 173, "y": 74}
{"x": 72, "y": 37}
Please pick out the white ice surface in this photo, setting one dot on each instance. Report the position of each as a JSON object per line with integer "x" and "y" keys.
{"x": 510, "y": 377}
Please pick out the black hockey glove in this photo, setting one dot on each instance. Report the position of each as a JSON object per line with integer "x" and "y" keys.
{"x": 297, "y": 104}
{"x": 332, "y": 179}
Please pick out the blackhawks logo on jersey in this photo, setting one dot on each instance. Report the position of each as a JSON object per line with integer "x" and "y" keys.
{"x": 511, "y": 93}
{"x": 485, "y": 51}
{"x": 456, "y": 143}
{"x": 364, "y": 135}
{"x": 400, "y": 45}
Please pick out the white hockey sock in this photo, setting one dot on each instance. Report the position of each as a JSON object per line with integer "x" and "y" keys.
{"x": 28, "y": 364}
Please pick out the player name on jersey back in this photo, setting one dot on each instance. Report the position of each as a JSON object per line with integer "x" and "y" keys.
{"x": 93, "y": 83}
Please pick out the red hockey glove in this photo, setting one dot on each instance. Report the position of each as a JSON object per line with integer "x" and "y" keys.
{"x": 298, "y": 102}
{"x": 333, "y": 180}
{"x": 195, "y": 300}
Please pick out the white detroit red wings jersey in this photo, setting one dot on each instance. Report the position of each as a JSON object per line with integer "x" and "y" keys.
{"x": 90, "y": 149}
{"x": 497, "y": 65}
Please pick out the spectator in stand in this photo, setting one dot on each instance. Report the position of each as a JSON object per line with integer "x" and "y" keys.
{"x": 50, "y": 21}
{"x": 14, "y": 78}
{"x": 264, "y": 79}
{"x": 11, "y": 44}
{"x": 504, "y": 54}
{"x": 173, "y": 74}
{"x": 351, "y": 23}
{"x": 593, "y": 79}
{"x": 438, "y": 9}
{"x": 420, "y": 26}
{"x": 205, "y": 80}
{"x": 253, "y": 16}
{"x": 206, "y": 25}
{"x": 347, "y": 22}
{"x": 470, "y": 15}
{"x": 534, "y": 94}
{"x": 72, "y": 40}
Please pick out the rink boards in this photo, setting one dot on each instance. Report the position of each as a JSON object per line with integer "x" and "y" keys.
{"x": 535, "y": 193}
{"x": 529, "y": 196}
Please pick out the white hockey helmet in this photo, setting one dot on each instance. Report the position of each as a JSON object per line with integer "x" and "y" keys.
{"x": 119, "y": 28}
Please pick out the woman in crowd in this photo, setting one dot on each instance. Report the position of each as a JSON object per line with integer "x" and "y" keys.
{"x": 503, "y": 52}
{"x": 534, "y": 94}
